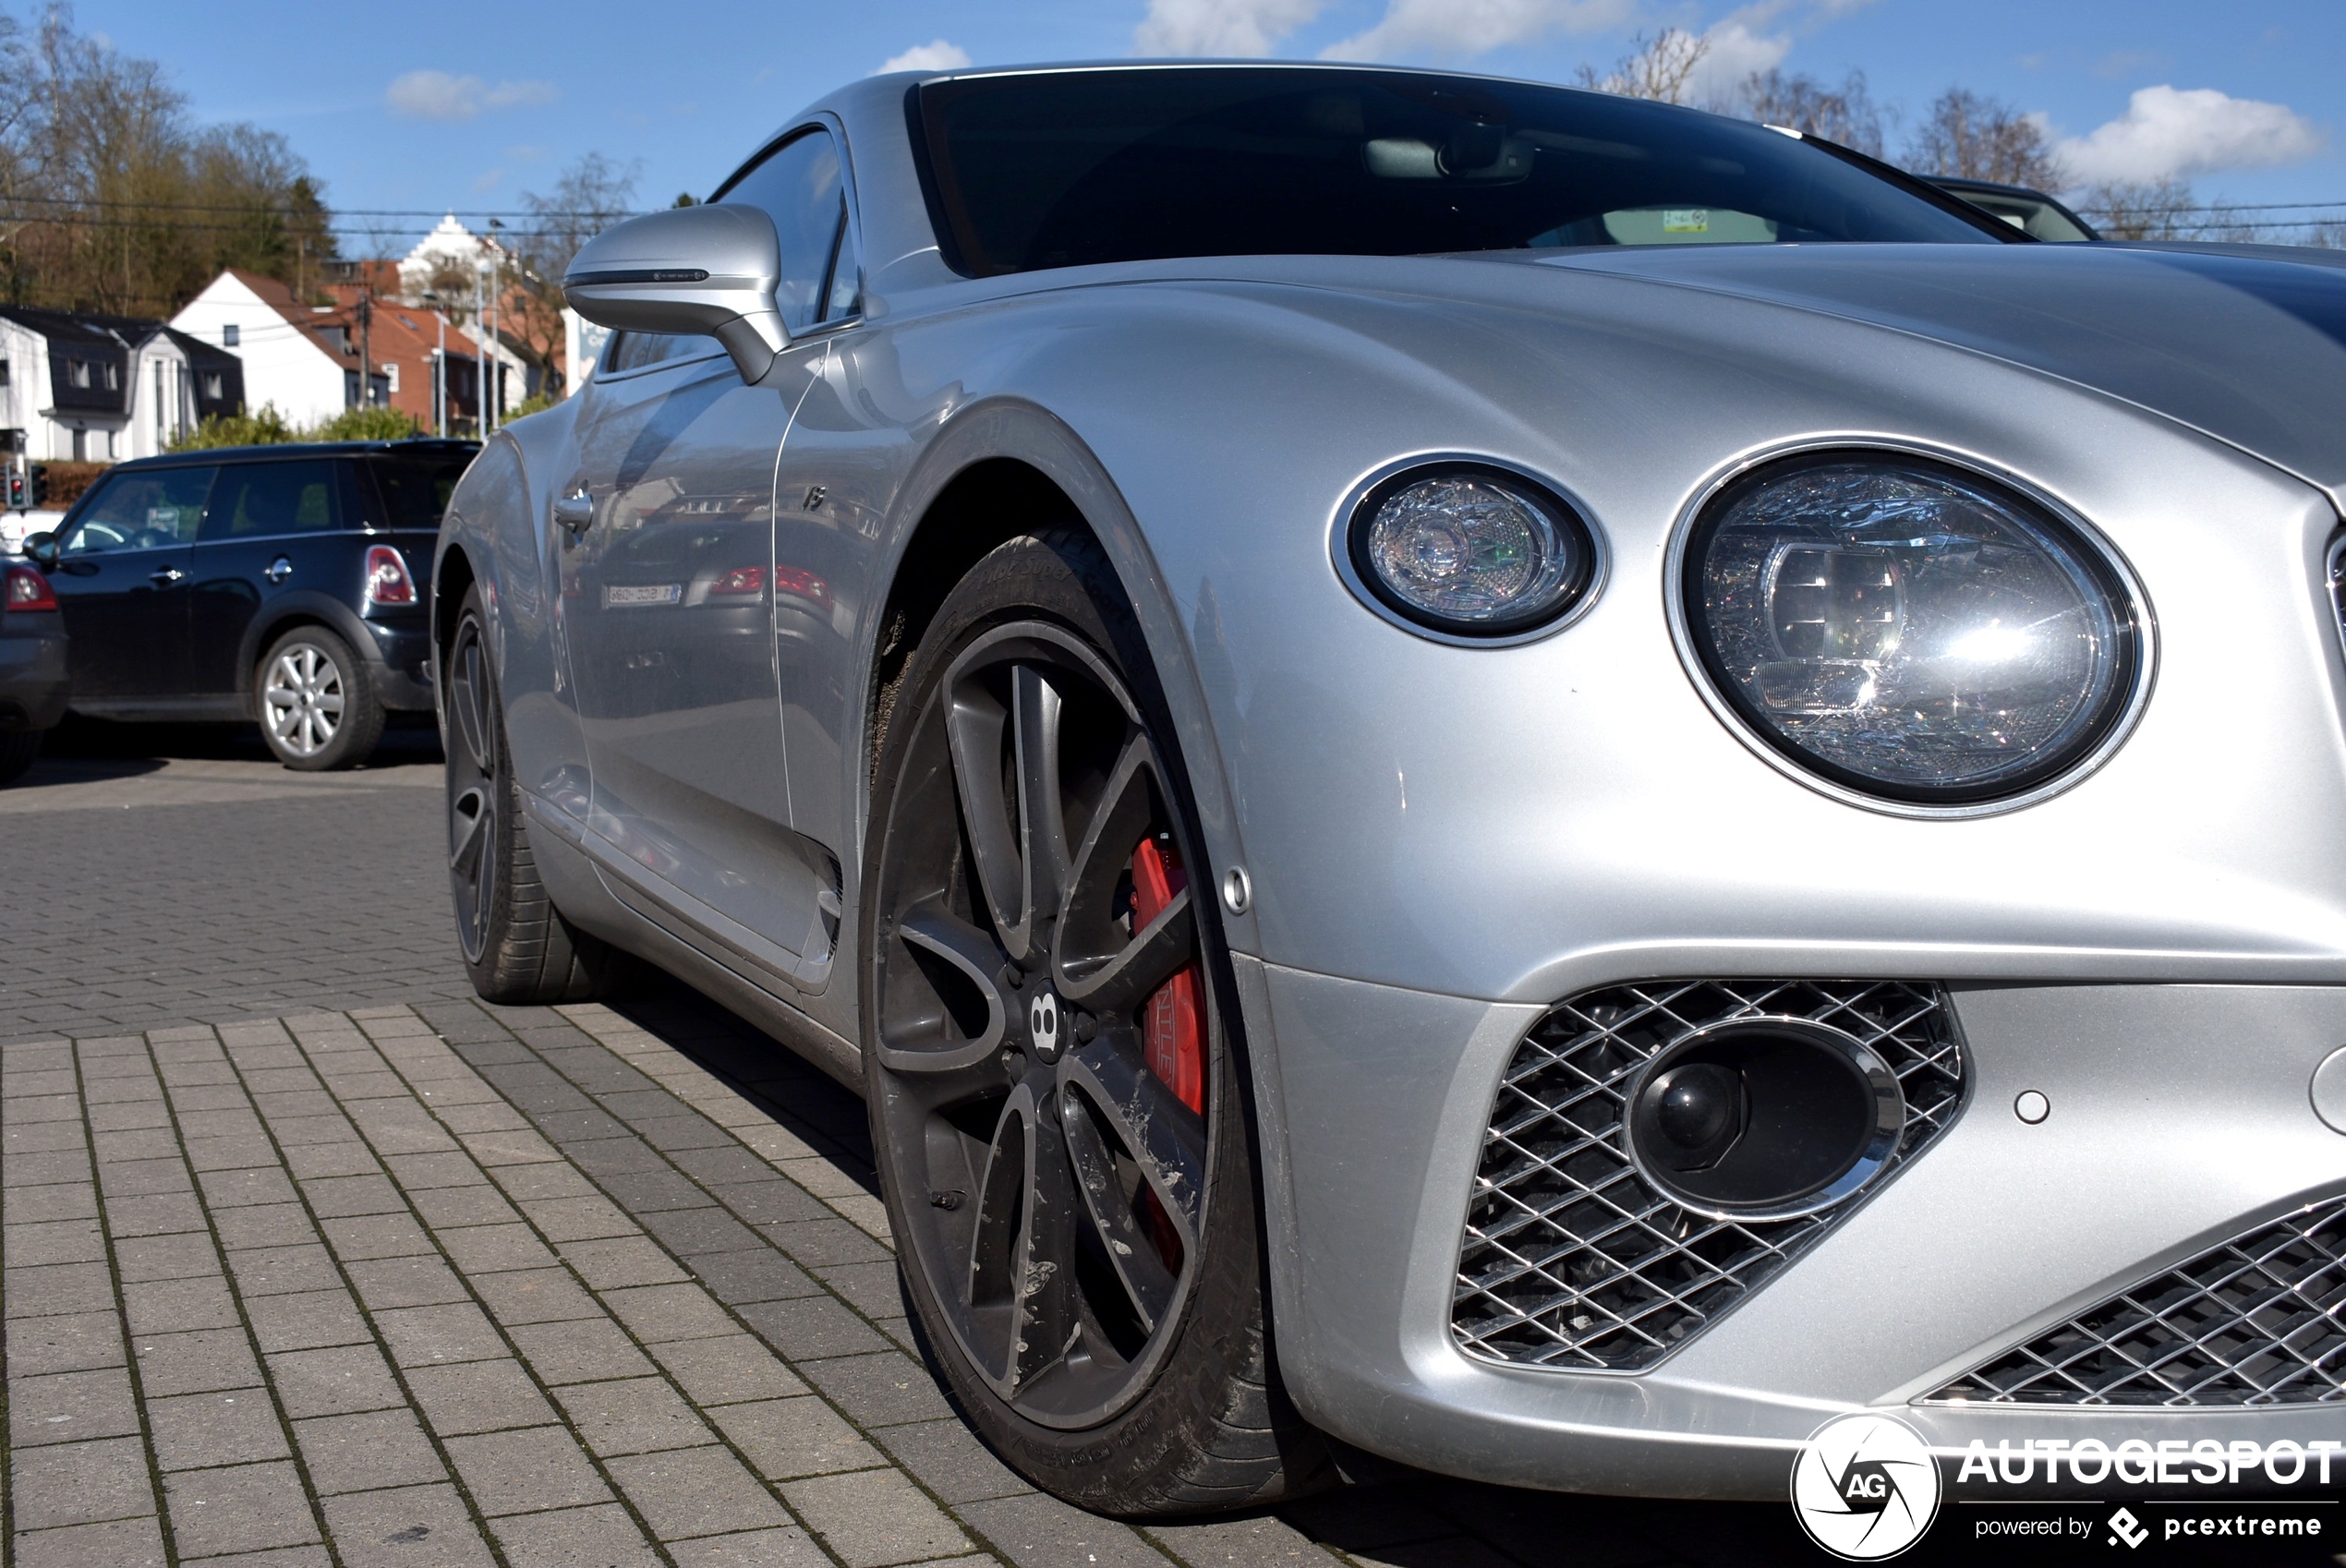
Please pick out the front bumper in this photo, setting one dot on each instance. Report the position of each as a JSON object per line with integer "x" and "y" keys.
{"x": 2180, "y": 1117}
{"x": 32, "y": 681}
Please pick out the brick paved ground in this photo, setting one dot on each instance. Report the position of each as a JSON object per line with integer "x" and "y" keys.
{"x": 309, "y": 1258}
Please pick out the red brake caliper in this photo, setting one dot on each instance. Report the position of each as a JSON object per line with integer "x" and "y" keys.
{"x": 1170, "y": 1020}
{"x": 1175, "y": 1042}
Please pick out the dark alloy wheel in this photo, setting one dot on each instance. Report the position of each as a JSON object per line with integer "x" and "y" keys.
{"x": 517, "y": 947}
{"x": 1052, "y": 1095}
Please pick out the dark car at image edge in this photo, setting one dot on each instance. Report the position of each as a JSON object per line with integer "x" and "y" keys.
{"x": 32, "y": 667}
{"x": 286, "y": 585}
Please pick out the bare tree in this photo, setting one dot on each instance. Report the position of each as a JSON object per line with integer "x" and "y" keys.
{"x": 1972, "y": 137}
{"x": 591, "y": 195}
{"x": 113, "y": 199}
{"x": 1845, "y": 114}
{"x": 1661, "y": 68}
{"x": 2142, "y": 210}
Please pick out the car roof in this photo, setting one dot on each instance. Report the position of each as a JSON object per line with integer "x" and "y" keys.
{"x": 422, "y": 447}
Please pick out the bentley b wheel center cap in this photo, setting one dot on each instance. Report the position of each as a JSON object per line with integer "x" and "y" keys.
{"x": 1044, "y": 1022}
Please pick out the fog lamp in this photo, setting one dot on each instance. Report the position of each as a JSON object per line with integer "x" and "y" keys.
{"x": 1765, "y": 1118}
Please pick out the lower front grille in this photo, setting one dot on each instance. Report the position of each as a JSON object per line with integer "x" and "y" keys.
{"x": 1571, "y": 1259}
{"x": 2253, "y": 1322}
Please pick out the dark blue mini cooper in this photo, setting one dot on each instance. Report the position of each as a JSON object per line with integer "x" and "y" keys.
{"x": 287, "y": 585}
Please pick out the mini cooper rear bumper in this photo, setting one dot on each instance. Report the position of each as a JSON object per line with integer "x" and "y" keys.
{"x": 2179, "y": 1160}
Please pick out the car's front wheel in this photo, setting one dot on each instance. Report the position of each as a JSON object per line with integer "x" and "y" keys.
{"x": 317, "y": 702}
{"x": 517, "y": 947}
{"x": 1050, "y": 1050}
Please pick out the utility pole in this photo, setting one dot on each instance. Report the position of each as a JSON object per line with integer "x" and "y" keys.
{"x": 480, "y": 352}
{"x": 440, "y": 380}
{"x": 365, "y": 340}
{"x": 496, "y": 292}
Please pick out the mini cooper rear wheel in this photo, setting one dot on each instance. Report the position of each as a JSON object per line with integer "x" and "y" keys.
{"x": 1048, "y": 1043}
{"x": 317, "y": 703}
{"x": 517, "y": 947}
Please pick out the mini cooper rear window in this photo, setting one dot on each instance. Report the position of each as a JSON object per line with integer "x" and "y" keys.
{"x": 1062, "y": 168}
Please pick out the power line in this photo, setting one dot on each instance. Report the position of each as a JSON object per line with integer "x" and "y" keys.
{"x": 320, "y": 211}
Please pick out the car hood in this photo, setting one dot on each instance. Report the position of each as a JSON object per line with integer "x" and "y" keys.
{"x": 2247, "y": 348}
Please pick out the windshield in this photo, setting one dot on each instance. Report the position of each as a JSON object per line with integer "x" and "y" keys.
{"x": 1062, "y": 168}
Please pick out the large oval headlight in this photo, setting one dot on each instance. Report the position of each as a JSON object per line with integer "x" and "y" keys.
{"x": 1470, "y": 551}
{"x": 1909, "y": 629}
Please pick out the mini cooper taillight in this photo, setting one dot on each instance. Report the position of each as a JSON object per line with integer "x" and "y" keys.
{"x": 27, "y": 589}
{"x": 387, "y": 579}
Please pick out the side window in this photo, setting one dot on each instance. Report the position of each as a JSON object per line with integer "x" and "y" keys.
{"x": 798, "y": 186}
{"x": 146, "y": 509}
{"x": 415, "y": 492}
{"x": 256, "y": 499}
{"x": 633, "y": 351}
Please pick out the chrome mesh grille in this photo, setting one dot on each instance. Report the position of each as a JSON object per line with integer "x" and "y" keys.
{"x": 2253, "y": 1322}
{"x": 1570, "y": 1258}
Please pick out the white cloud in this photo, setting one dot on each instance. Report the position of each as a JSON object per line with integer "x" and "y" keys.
{"x": 1732, "y": 51}
{"x": 2166, "y": 133}
{"x": 436, "y": 95}
{"x": 934, "y": 56}
{"x": 1247, "y": 27}
{"x": 1458, "y": 29}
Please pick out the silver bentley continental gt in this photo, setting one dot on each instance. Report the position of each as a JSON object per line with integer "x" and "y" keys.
{"x": 1530, "y": 783}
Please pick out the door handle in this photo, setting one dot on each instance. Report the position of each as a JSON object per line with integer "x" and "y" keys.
{"x": 575, "y": 512}
{"x": 279, "y": 570}
{"x": 165, "y": 578}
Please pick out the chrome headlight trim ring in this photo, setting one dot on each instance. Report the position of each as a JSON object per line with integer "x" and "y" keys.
{"x": 2132, "y": 600}
{"x": 1352, "y": 510}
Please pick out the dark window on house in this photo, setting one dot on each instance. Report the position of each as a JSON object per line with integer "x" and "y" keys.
{"x": 77, "y": 372}
{"x": 228, "y": 335}
{"x": 114, "y": 375}
{"x": 3, "y": 372}
{"x": 215, "y": 388}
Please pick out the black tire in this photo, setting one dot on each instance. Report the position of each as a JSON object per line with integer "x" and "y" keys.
{"x": 316, "y": 702}
{"x": 18, "y": 748}
{"x": 515, "y": 944}
{"x": 1154, "y": 1392}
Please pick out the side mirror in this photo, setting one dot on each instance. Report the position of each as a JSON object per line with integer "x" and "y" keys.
{"x": 40, "y": 548}
{"x": 706, "y": 270}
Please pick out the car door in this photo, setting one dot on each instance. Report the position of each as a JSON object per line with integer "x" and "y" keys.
{"x": 275, "y": 527}
{"x": 830, "y": 489}
{"x": 669, "y": 615}
{"x": 121, "y": 582}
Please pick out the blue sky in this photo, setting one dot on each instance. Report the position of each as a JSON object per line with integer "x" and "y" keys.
{"x": 442, "y": 104}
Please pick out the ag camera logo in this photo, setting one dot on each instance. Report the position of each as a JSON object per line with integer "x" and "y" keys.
{"x": 1865, "y": 1487}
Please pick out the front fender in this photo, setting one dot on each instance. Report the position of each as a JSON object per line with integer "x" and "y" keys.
{"x": 498, "y": 522}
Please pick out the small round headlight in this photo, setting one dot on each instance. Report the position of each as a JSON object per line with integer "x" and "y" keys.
{"x": 1470, "y": 551}
{"x": 1907, "y": 628}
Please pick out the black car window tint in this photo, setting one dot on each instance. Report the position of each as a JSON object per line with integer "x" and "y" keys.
{"x": 415, "y": 490}
{"x": 145, "y": 509}
{"x": 256, "y": 501}
{"x": 1073, "y": 167}
{"x": 797, "y": 185}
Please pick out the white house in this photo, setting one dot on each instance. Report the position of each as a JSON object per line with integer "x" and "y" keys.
{"x": 286, "y": 361}
{"x": 81, "y": 387}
